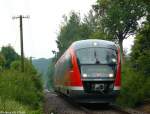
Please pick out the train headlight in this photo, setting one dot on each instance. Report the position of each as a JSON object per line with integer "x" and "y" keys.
{"x": 111, "y": 75}
{"x": 84, "y": 75}
{"x": 114, "y": 60}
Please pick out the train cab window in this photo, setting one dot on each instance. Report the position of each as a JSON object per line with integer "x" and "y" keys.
{"x": 85, "y": 56}
{"x": 97, "y": 62}
{"x": 96, "y": 56}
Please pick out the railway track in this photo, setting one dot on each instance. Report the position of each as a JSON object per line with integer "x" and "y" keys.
{"x": 110, "y": 109}
{"x": 101, "y": 109}
{"x": 58, "y": 104}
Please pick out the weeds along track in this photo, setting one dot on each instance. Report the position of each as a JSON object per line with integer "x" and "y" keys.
{"x": 58, "y": 104}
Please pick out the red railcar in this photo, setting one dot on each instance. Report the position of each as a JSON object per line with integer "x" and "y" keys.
{"x": 89, "y": 71}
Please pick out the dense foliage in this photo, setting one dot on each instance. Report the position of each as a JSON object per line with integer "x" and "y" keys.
{"x": 23, "y": 90}
{"x": 9, "y": 55}
{"x": 113, "y": 20}
{"x": 140, "y": 55}
{"x": 135, "y": 87}
{"x": 119, "y": 18}
{"x": 74, "y": 29}
{"x": 136, "y": 73}
{"x": 69, "y": 32}
{"x": 20, "y": 87}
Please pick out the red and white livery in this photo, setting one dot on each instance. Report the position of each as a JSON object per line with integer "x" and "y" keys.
{"x": 89, "y": 71}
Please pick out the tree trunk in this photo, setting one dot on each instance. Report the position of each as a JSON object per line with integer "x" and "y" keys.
{"x": 121, "y": 51}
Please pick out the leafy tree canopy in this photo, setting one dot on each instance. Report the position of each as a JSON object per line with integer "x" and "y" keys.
{"x": 73, "y": 29}
{"x": 28, "y": 67}
{"x": 9, "y": 54}
{"x": 70, "y": 31}
{"x": 140, "y": 55}
{"x": 120, "y": 17}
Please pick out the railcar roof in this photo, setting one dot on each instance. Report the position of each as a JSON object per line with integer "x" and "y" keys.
{"x": 93, "y": 43}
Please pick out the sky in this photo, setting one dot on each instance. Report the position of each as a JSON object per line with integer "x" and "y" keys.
{"x": 41, "y": 29}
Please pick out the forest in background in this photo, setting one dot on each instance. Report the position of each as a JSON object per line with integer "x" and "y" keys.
{"x": 115, "y": 20}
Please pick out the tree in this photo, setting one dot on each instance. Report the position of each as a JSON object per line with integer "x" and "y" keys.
{"x": 147, "y": 9}
{"x": 9, "y": 54}
{"x": 69, "y": 32}
{"x": 29, "y": 68}
{"x": 119, "y": 18}
{"x": 91, "y": 27}
{"x": 140, "y": 55}
{"x": 74, "y": 29}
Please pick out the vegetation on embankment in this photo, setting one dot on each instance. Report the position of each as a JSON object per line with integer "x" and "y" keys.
{"x": 19, "y": 91}
{"x": 135, "y": 87}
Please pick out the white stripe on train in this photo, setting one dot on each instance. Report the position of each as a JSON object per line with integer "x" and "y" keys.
{"x": 81, "y": 88}
{"x": 116, "y": 87}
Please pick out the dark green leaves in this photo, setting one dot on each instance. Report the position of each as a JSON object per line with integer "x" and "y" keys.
{"x": 140, "y": 55}
{"x": 9, "y": 55}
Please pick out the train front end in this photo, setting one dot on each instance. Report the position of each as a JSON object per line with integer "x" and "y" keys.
{"x": 97, "y": 66}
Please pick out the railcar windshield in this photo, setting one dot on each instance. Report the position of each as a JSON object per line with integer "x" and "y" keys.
{"x": 96, "y": 55}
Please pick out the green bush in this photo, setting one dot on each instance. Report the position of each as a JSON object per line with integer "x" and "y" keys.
{"x": 135, "y": 87}
{"x": 22, "y": 87}
{"x": 28, "y": 67}
{"x": 19, "y": 91}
